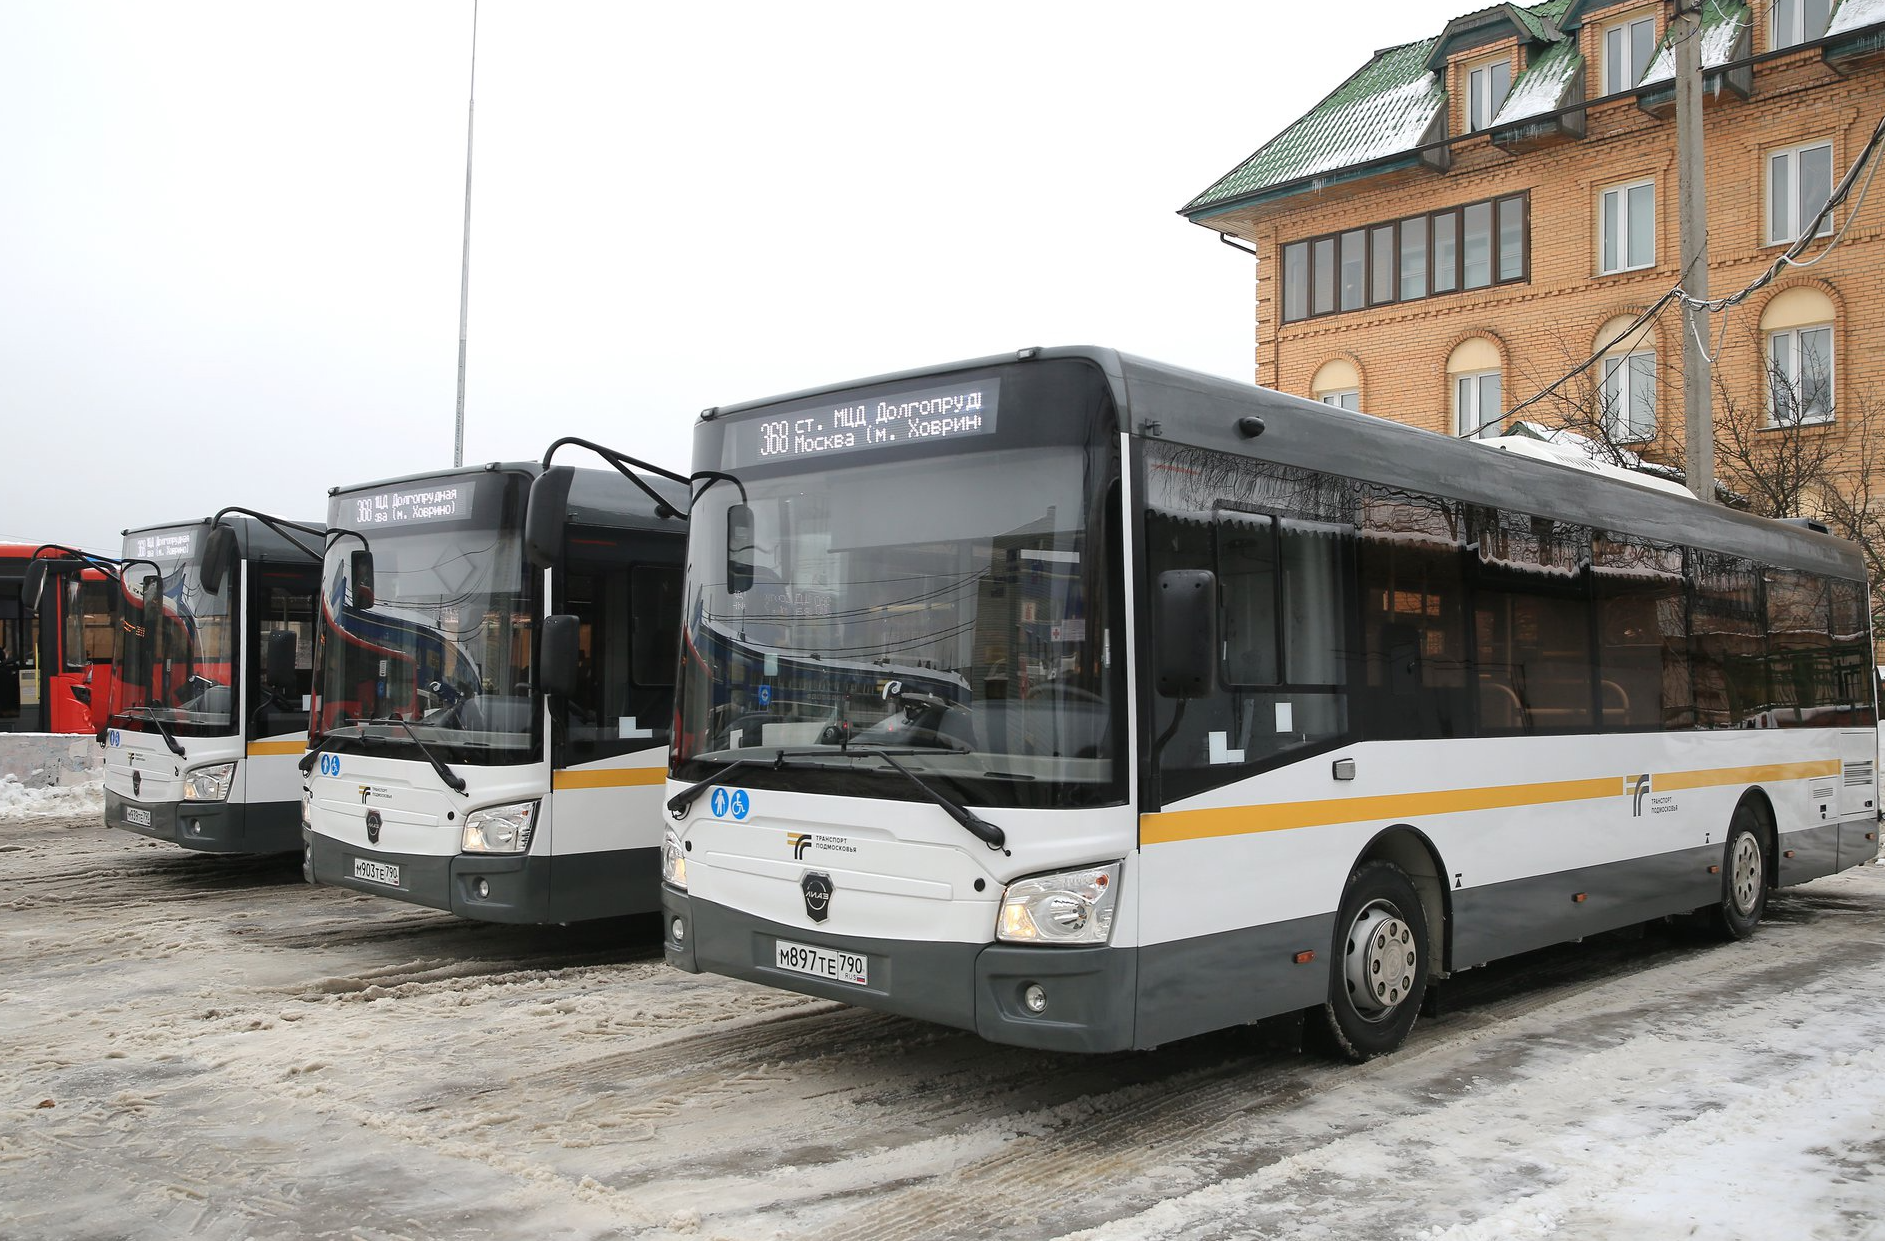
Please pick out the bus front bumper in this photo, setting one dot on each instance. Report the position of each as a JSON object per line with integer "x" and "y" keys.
{"x": 210, "y": 826}
{"x": 1090, "y": 992}
{"x": 496, "y": 888}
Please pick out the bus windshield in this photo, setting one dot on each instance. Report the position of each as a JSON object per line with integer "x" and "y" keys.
{"x": 951, "y": 608}
{"x": 427, "y": 618}
{"x": 175, "y": 644}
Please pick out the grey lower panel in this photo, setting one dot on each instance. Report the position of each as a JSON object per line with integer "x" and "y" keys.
{"x": 1815, "y": 853}
{"x": 1858, "y": 842}
{"x": 212, "y": 827}
{"x": 1192, "y": 986}
{"x": 1090, "y": 991}
{"x": 517, "y": 889}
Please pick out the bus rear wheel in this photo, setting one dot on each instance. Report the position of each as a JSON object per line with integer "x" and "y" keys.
{"x": 1743, "y": 878}
{"x": 1379, "y": 974}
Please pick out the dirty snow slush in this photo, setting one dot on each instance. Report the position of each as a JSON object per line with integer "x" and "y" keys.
{"x": 197, "y": 1046}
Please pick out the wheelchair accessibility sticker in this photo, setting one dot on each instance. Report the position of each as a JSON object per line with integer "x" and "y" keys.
{"x": 737, "y": 801}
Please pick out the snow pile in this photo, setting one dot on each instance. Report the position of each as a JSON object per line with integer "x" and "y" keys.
{"x": 19, "y": 802}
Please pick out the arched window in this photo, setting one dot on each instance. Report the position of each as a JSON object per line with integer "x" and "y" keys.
{"x": 1338, "y": 383}
{"x": 1797, "y": 354}
{"x": 1626, "y": 390}
{"x": 1478, "y": 397}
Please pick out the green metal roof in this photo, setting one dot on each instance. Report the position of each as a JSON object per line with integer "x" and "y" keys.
{"x": 1386, "y": 109}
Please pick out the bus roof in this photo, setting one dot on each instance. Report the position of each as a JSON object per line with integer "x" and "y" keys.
{"x": 1160, "y": 401}
{"x": 596, "y": 497}
{"x": 255, "y": 541}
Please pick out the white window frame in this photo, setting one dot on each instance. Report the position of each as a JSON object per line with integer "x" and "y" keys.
{"x": 1481, "y": 104}
{"x": 1797, "y": 34}
{"x": 1623, "y": 30}
{"x": 1469, "y": 411}
{"x": 1783, "y": 233}
{"x": 1342, "y": 398}
{"x": 1620, "y": 395}
{"x": 1622, "y": 194}
{"x": 1789, "y": 338}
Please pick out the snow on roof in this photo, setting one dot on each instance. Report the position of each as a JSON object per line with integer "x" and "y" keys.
{"x": 1386, "y": 108}
{"x": 1856, "y": 15}
{"x": 1543, "y": 85}
{"x": 1723, "y": 22}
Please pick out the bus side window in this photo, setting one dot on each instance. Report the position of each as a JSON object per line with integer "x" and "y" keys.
{"x": 284, "y": 602}
{"x": 1728, "y": 644}
{"x": 628, "y": 636}
{"x": 1412, "y": 602}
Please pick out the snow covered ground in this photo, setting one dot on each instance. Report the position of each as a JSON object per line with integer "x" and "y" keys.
{"x": 194, "y": 1046}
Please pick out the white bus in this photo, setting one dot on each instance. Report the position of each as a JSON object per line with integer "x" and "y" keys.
{"x": 209, "y": 711}
{"x": 1273, "y": 707}
{"x": 492, "y": 703}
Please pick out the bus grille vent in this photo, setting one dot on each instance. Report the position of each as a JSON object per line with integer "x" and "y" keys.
{"x": 1822, "y": 792}
{"x": 1859, "y": 773}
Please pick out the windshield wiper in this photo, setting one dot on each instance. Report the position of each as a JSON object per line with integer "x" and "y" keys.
{"x": 678, "y": 804}
{"x": 451, "y": 778}
{"x": 972, "y": 823}
{"x": 150, "y": 713}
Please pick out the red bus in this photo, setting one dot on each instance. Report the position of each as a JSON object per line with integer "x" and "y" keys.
{"x": 55, "y": 658}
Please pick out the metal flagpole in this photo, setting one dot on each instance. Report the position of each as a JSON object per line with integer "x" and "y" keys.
{"x": 464, "y": 274}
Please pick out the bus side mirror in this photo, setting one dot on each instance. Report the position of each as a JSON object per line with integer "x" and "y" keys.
{"x": 360, "y": 573}
{"x": 545, "y": 514}
{"x": 33, "y": 585}
{"x": 215, "y": 558}
{"x": 1186, "y": 636}
{"x": 739, "y": 548}
{"x": 557, "y": 654}
{"x": 278, "y": 667}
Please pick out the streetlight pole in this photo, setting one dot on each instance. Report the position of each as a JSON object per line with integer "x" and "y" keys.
{"x": 1692, "y": 216}
{"x": 464, "y": 271}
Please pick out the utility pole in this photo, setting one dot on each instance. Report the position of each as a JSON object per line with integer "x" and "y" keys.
{"x": 1692, "y": 217}
{"x": 464, "y": 270}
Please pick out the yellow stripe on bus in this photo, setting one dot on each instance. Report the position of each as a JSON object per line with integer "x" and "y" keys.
{"x": 609, "y": 778}
{"x": 1176, "y": 825}
{"x": 259, "y": 748}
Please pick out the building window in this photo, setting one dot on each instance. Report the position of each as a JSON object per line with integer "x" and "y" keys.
{"x": 1337, "y": 382}
{"x": 1628, "y": 47}
{"x": 1476, "y": 404}
{"x": 1800, "y": 375}
{"x": 1799, "y": 181}
{"x": 1799, "y": 21}
{"x": 1486, "y": 86}
{"x": 1629, "y": 397}
{"x": 1467, "y": 247}
{"x": 1628, "y": 227}
{"x": 1349, "y": 400}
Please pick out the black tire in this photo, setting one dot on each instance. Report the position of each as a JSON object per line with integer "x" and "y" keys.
{"x": 1379, "y": 973}
{"x": 1744, "y": 868}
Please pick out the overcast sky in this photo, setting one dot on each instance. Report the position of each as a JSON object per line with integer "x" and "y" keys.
{"x": 229, "y": 233}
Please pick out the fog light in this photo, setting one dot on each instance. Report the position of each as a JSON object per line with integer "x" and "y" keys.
{"x": 482, "y": 887}
{"x": 1035, "y": 998}
{"x": 678, "y": 931}
{"x": 196, "y": 827}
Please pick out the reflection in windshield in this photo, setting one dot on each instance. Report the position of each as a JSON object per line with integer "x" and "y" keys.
{"x": 945, "y": 606}
{"x": 175, "y": 645}
{"x": 442, "y": 639}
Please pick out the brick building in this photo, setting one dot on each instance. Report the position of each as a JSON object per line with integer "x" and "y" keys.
{"x": 1469, "y": 216}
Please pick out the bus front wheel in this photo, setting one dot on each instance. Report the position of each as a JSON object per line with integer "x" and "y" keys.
{"x": 1743, "y": 878}
{"x": 1379, "y": 974}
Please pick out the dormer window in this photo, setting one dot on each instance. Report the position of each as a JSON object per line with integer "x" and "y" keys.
{"x": 1486, "y": 87}
{"x": 1628, "y": 47}
{"x": 1799, "y": 21}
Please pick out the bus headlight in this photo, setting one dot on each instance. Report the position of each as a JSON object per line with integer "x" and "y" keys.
{"x": 499, "y": 829}
{"x": 1070, "y": 907}
{"x": 209, "y": 783}
{"x": 673, "y": 862}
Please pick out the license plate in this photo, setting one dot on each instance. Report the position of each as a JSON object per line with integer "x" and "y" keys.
{"x": 376, "y": 872}
{"x": 140, "y": 817}
{"x": 851, "y": 967}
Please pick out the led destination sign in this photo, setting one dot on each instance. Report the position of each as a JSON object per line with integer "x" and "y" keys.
{"x": 174, "y": 546}
{"x": 411, "y": 505}
{"x": 862, "y": 423}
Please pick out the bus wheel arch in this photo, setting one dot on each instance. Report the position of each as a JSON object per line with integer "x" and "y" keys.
{"x": 1409, "y": 848}
{"x": 1749, "y": 863}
